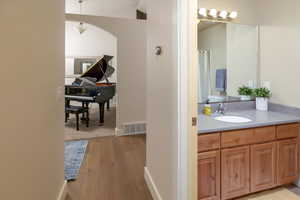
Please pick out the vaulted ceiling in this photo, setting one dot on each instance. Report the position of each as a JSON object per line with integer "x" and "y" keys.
{"x": 111, "y": 8}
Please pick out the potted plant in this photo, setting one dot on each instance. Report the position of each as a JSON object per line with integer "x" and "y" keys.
{"x": 245, "y": 93}
{"x": 262, "y": 96}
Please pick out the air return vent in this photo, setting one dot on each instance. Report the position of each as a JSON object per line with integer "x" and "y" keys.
{"x": 134, "y": 128}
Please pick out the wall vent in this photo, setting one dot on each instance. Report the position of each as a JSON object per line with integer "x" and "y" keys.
{"x": 134, "y": 128}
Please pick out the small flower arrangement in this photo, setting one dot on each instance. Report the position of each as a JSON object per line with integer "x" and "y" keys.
{"x": 262, "y": 93}
{"x": 245, "y": 93}
{"x": 262, "y": 97}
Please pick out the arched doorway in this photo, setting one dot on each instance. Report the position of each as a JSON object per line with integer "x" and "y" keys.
{"x": 88, "y": 47}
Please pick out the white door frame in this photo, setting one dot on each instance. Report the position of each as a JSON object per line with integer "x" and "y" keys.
{"x": 187, "y": 99}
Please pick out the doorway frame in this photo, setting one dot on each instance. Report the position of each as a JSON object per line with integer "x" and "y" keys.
{"x": 187, "y": 20}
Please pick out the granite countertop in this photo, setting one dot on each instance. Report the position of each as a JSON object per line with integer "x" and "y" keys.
{"x": 207, "y": 124}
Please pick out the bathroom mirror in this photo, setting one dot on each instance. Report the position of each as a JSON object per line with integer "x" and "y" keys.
{"x": 228, "y": 59}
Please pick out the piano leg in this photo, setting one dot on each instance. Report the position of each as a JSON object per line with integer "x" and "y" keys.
{"x": 87, "y": 116}
{"x": 66, "y": 117}
{"x": 67, "y": 104}
{"x": 108, "y": 105}
{"x": 101, "y": 112}
{"x": 83, "y": 114}
{"x": 77, "y": 121}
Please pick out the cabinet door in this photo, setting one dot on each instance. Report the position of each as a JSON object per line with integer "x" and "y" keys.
{"x": 235, "y": 165}
{"x": 287, "y": 161}
{"x": 209, "y": 175}
{"x": 263, "y": 166}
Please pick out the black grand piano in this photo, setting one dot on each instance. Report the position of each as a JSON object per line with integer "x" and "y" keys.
{"x": 90, "y": 88}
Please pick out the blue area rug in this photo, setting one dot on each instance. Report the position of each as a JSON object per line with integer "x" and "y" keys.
{"x": 74, "y": 155}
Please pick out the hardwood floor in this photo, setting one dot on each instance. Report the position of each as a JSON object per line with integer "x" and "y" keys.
{"x": 113, "y": 169}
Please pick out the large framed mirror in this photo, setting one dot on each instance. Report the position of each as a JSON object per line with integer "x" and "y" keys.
{"x": 228, "y": 60}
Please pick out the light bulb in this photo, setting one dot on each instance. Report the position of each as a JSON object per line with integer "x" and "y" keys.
{"x": 203, "y": 12}
{"x": 233, "y": 15}
{"x": 213, "y": 13}
{"x": 81, "y": 28}
{"x": 223, "y": 14}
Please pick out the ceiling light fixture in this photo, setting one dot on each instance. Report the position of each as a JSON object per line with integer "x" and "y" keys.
{"x": 223, "y": 14}
{"x": 203, "y": 12}
{"x": 233, "y": 15}
{"x": 214, "y": 14}
{"x": 81, "y": 27}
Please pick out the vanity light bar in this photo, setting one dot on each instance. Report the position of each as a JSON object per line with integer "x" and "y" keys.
{"x": 214, "y": 14}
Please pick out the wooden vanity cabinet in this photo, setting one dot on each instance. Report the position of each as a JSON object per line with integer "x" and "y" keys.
{"x": 287, "y": 161}
{"x": 235, "y": 165}
{"x": 263, "y": 166}
{"x": 209, "y": 175}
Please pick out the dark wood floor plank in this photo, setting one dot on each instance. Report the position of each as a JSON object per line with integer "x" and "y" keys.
{"x": 113, "y": 169}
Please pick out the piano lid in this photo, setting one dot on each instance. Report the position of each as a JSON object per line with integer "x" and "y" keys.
{"x": 101, "y": 70}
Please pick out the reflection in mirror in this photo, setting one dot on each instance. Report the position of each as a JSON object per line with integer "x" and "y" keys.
{"x": 227, "y": 60}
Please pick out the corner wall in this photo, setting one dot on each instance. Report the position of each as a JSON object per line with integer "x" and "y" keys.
{"x": 162, "y": 98}
{"x": 131, "y": 73}
{"x": 280, "y": 49}
{"x": 31, "y": 85}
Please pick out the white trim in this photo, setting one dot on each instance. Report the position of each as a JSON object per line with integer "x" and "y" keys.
{"x": 63, "y": 192}
{"x": 151, "y": 185}
{"x": 119, "y": 131}
{"x": 187, "y": 99}
{"x": 182, "y": 171}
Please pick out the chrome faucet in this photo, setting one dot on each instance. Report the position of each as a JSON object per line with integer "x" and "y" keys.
{"x": 221, "y": 109}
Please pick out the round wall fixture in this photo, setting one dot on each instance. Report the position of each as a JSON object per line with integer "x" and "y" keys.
{"x": 158, "y": 50}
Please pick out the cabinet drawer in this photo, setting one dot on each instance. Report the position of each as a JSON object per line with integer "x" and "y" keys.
{"x": 236, "y": 138}
{"x": 247, "y": 136}
{"x": 287, "y": 131}
{"x": 264, "y": 134}
{"x": 208, "y": 142}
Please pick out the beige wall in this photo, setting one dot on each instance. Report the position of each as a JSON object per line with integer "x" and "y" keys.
{"x": 162, "y": 97}
{"x": 32, "y": 60}
{"x": 107, "y": 8}
{"x": 280, "y": 49}
{"x": 131, "y": 73}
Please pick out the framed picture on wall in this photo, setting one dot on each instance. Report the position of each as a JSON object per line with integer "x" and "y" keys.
{"x": 81, "y": 65}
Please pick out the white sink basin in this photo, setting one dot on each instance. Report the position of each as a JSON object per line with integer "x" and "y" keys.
{"x": 233, "y": 119}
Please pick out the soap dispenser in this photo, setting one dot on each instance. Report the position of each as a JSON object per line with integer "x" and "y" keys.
{"x": 207, "y": 108}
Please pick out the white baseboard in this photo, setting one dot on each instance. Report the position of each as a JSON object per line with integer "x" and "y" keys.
{"x": 119, "y": 131}
{"x": 151, "y": 185}
{"x": 63, "y": 192}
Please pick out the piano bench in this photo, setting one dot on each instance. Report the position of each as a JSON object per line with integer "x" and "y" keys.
{"x": 77, "y": 110}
